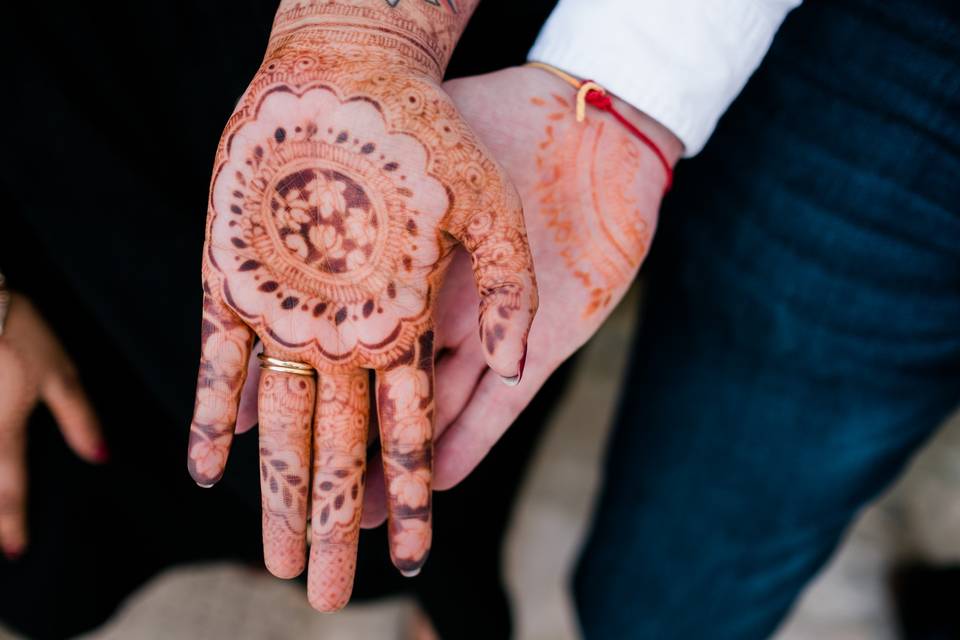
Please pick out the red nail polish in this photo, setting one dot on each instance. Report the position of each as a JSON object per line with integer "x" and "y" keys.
{"x": 13, "y": 554}
{"x": 102, "y": 454}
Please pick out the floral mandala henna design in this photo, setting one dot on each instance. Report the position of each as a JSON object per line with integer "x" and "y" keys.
{"x": 351, "y": 248}
{"x": 323, "y": 248}
{"x": 605, "y": 245}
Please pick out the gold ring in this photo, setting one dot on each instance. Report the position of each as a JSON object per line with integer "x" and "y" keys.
{"x": 285, "y": 366}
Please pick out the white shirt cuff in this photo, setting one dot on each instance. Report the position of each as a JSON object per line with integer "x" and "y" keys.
{"x": 682, "y": 62}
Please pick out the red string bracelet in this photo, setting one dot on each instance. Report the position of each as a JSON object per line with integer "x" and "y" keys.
{"x": 589, "y": 92}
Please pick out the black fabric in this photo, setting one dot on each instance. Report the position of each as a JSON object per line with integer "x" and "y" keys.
{"x": 112, "y": 116}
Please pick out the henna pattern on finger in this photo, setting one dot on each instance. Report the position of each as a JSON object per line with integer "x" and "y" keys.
{"x": 405, "y": 400}
{"x": 504, "y": 290}
{"x": 225, "y": 343}
{"x": 286, "y": 406}
{"x": 339, "y": 450}
{"x": 605, "y": 236}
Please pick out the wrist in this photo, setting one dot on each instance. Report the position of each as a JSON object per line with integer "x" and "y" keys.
{"x": 591, "y": 98}
{"x": 666, "y": 141}
{"x": 369, "y": 34}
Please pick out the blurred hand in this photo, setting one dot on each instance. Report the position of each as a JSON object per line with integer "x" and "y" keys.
{"x": 342, "y": 184}
{"x": 591, "y": 192}
{"x": 33, "y": 368}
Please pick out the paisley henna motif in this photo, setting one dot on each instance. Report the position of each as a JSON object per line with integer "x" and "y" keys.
{"x": 342, "y": 183}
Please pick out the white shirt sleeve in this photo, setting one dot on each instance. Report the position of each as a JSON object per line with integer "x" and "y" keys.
{"x": 682, "y": 62}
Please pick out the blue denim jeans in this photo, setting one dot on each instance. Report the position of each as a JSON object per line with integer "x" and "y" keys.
{"x": 801, "y": 332}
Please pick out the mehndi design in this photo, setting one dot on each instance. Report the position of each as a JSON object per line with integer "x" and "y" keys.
{"x": 342, "y": 183}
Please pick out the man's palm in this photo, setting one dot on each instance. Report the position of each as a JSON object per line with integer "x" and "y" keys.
{"x": 591, "y": 193}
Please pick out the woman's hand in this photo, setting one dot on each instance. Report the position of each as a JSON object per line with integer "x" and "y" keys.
{"x": 33, "y": 368}
{"x": 342, "y": 184}
{"x": 591, "y": 192}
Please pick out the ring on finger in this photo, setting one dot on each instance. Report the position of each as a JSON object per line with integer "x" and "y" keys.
{"x": 286, "y": 366}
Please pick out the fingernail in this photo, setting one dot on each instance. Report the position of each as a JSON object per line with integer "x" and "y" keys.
{"x": 515, "y": 380}
{"x": 13, "y": 554}
{"x": 205, "y": 486}
{"x": 102, "y": 454}
{"x": 410, "y": 574}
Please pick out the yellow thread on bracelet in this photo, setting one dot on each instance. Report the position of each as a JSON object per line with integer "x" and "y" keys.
{"x": 583, "y": 88}
{"x": 592, "y": 93}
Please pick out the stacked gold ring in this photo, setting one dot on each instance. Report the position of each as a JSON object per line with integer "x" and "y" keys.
{"x": 285, "y": 366}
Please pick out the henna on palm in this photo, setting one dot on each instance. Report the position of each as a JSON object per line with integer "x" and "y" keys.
{"x": 342, "y": 183}
{"x": 592, "y": 192}
{"x": 585, "y": 195}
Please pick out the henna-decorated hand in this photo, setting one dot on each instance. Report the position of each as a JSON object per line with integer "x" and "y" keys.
{"x": 342, "y": 184}
{"x": 591, "y": 193}
{"x": 34, "y": 367}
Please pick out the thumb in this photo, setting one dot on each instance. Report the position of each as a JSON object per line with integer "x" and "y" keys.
{"x": 496, "y": 240}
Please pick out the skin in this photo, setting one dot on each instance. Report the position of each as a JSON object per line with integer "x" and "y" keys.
{"x": 591, "y": 193}
{"x": 342, "y": 185}
{"x": 35, "y": 368}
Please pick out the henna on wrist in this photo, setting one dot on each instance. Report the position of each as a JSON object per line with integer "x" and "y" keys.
{"x": 419, "y": 32}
